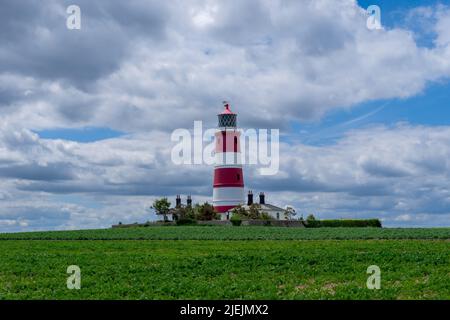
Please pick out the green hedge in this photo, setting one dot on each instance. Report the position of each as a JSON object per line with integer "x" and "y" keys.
{"x": 344, "y": 223}
{"x": 236, "y": 220}
{"x": 186, "y": 222}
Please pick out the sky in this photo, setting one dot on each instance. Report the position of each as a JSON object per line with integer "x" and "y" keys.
{"x": 86, "y": 116}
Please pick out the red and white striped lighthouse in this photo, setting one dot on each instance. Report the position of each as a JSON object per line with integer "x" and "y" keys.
{"x": 228, "y": 178}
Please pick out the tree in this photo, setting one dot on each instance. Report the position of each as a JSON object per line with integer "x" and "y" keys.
{"x": 289, "y": 213}
{"x": 205, "y": 212}
{"x": 239, "y": 211}
{"x": 189, "y": 213}
{"x": 253, "y": 213}
{"x": 162, "y": 207}
{"x": 265, "y": 216}
{"x": 183, "y": 213}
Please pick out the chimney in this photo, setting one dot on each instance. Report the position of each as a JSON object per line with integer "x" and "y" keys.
{"x": 178, "y": 201}
{"x": 250, "y": 198}
{"x": 189, "y": 201}
{"x": 261, "y": 198}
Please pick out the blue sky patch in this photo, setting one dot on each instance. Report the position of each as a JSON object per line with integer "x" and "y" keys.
{"x": 86, "y": 134}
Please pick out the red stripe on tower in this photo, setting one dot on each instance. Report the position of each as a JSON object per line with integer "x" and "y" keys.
{"x": 228, "y": 177}
{"x": 228, "y": 186}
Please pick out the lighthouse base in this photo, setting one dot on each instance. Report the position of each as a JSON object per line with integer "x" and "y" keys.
{"x": 223, "y": 209}
{"x": 224, "y": 216}
{"x": 223, "y": 213}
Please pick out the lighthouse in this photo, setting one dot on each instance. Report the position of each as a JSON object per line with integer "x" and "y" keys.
{"x": 228, "y": 185}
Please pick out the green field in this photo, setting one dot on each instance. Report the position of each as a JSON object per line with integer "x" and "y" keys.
{"x": 233, "y": 233}
{"x": 276, "y": 264}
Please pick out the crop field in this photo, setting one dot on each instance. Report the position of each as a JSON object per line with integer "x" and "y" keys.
{"x": 276, "y": 264}
{"x": 233, "y": 233}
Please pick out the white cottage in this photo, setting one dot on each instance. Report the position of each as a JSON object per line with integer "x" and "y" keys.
{"x": 275, "y": 212}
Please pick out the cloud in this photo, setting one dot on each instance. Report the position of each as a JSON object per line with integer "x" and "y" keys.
{"x": 38, "y": 43}
{"x": 377, "y": 170}
{"x": 132, "y": 66}
{"x": 147, "y": 68}
{"x": 34, "y": 171}
{"x": 371, "y": 172}
{"x": 383, "y": 169}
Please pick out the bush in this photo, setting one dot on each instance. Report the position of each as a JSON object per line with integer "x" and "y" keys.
{"x": 360, "y": 223}
{"x": 205, "y": 212}
{"x": 313, "y": 223}
{"x": 265, "y": 216}
{"x": 186, "y": 222}
{"x": 253, "y": 213}
{"x": 236, "y": 220}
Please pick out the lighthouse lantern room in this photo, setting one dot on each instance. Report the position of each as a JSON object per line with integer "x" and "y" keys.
{"x": 228, "y": 186}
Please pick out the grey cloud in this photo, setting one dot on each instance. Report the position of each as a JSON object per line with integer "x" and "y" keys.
{"x": 39, "y": 43}
{"x": 380, "y": 169}
{"x": 9, "y": 96}
{"x": 135, "y": 64}
{"x": 34, "y": 171}
{"x": 328, "y": 180}
{"x": 144, "y": 18}
{"x": 41, "y": 213}
{"x": 152, "y": 183}
{"x": 370, "y": 189}
{"x": 294, "y": 183}
{"x": 33, "y": 214}
{"x": 77, "y": 108}
{"x": 242, "y": 23}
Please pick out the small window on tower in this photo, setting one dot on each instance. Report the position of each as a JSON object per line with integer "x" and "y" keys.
{"x": 235, "y": 144}
{"x": 238, "y": 176}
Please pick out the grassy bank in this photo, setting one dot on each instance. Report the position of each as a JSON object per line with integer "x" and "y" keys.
{"x": 233, "y": 233}
{"x": 318, "y": 269}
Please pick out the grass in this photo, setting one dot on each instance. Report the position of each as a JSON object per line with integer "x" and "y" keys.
{"x": 192, "y": 269}
{"x": 233, "y": 233}
{"x": 226, "y": 263}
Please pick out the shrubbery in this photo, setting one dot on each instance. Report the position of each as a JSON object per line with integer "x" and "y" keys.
{"x": 253, "y": 213}
{"x": 236, "y": 220}
{"x": 355, "y": 223}
{"x": 205, "y": 212}
{"x": 186, "y": 222}
{"x": 191, "y": 214}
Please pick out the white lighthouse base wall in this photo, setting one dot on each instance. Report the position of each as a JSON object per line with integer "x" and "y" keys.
{"x": 228, "y": 196}
{"x": 225, "y": 216}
